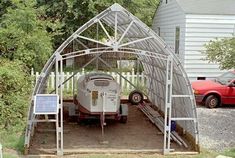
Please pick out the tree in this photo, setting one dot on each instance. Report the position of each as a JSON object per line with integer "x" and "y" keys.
{"x": 3, "y": 7}
{"x": 73, "y": 13}
{"x": 23, "y": 35}
{"x": 222, "y": 51}
{"x": 29, "y": 29}
{"x": 15, "y": 86}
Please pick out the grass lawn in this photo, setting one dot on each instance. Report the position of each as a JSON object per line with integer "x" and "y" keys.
{"x": 12, "y": 141}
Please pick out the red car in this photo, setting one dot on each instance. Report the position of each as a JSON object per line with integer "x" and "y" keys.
{"x": 216, "y": 92}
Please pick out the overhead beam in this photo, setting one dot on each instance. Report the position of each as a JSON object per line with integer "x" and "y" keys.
{"x": 127, "y": 29}
{"x": 106, "y": 32}
{"x": 136, "y": 41}
{"x": 93, "y": 40}
{"x": 81, "y": 43}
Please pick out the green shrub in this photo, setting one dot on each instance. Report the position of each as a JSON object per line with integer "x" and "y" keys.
{"x": 222, "y": 51}
{"x": 15, "y": 88}
{"x": 23, "y": 35}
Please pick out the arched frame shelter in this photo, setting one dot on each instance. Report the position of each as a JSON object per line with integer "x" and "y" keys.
{"x": 168, "y": 85}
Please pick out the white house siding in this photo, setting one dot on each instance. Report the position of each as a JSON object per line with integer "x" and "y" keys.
{"x": 168, "y": 17}
{"x": 200, "y": 29}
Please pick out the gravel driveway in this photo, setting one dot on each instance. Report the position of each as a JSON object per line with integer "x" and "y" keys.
{"x": 217, "y": 127}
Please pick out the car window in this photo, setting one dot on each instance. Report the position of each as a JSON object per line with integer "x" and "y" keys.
{"x": 225, "y": 78}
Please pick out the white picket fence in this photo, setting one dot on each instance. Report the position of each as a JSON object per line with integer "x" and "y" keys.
{"x": 69, "y": 85}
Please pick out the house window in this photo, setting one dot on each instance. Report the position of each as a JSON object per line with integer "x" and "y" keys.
{"x": 159, "y": 31}
{"x": 177, "y": 40}
{"x": 201, "y": 78}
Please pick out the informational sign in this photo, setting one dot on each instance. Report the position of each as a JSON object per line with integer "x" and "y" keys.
{"x": 46, "y": 104}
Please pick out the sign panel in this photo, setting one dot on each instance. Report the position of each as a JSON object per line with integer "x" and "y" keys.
{"x": 46, "y": 104}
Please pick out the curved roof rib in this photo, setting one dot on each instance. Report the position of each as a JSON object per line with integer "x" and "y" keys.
{"x": 126, "y": 33}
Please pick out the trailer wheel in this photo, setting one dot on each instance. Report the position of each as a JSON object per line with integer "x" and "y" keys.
{"x": 123, "y": 119}
{"x": 136, "y": 97}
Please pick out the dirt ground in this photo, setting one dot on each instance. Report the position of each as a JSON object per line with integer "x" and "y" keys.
{"x": 137, "y": 134}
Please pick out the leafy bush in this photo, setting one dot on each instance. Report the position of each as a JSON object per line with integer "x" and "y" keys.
{"x": 222, "y": 51}
{"x": 15, "y": 88}
{"x": 23, "y": 35}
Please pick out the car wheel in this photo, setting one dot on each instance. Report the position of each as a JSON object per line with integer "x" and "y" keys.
{"x": 212, "y": 101}
{"x": 136, "y": 97}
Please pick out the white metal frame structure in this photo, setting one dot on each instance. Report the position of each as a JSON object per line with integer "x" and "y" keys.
{"x": 168, "y": 85}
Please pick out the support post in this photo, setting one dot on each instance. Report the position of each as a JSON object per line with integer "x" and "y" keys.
{"x": 120, "y": 68}
{"x": 56, "y": 74}
{"x": 59, "y": 116}
{"x": 168, "y": 106}
{"x": 137, "y": 72}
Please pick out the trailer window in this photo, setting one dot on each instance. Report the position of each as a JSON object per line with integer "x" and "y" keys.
{"x": 101, "y": 82}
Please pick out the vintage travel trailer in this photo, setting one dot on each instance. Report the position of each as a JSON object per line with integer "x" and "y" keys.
{"x": 99, "y": 96}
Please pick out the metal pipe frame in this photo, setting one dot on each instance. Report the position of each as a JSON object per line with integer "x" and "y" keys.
{"x": 168, "y": 106}
{"x": 110, "y": 49}
{"x": 59, "y": 116}
{"x": 150, "y": 48}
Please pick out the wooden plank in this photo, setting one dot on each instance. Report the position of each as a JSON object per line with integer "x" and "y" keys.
{"x": 111, "y": 151}
{"x": 183, "y": 153}
{"x": 104, "y": 151}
